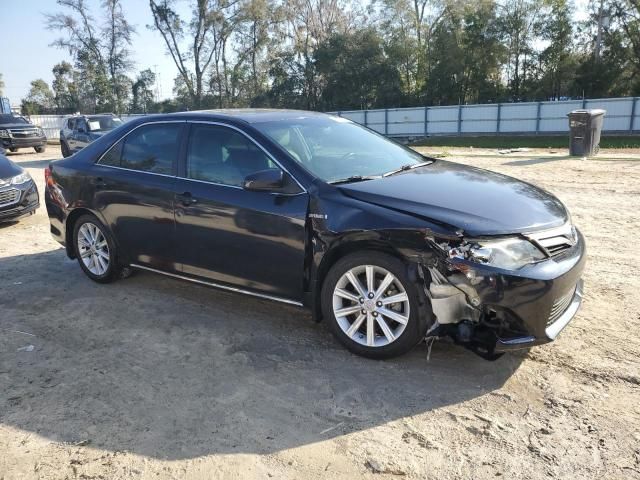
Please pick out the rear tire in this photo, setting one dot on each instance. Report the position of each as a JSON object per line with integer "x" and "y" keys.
{"x": 13, "y": 149}
{"x": 64, "y": 148}
{"x": 95, "y": 250}
{"x": 382, "y": 317}
{"x": 39, "y": 149}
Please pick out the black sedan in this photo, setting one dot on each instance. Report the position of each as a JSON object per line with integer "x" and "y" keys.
{"x": 17, "y": 132}
{"x": 387, "y": 246}
{"x": 18, "y": 192}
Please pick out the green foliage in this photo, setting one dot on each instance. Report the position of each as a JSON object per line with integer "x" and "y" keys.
{"x": 142, "y": 92}
{"x": 340, "y": 54}
{"x": 39, "y": 100}
{"x": 538, "y": 141}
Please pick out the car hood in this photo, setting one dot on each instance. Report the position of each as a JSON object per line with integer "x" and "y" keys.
{"x": 8, "y": 169}
{"x": 478, "y": 201}
{"x": 15, "y": 126}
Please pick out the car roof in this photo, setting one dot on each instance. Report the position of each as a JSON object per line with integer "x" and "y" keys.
{"x": 254, "y": 115}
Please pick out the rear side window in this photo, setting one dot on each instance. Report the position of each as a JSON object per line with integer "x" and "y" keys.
{"x": 150, "y": 148}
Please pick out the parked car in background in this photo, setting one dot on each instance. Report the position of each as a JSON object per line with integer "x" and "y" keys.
{"x": 79, "y": 131}
{"x": 17, "y": 132}
{"x": 387, "y": 245}
{"x": 18, "y": 191}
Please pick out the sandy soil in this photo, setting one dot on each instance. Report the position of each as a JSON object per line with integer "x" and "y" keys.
{"x": 155, "y": 378}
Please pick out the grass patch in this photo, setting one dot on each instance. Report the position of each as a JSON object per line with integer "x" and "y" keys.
{"x": 538, "y": 141}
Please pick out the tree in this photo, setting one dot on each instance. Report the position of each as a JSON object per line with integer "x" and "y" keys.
{"x": 521, "y": 22}
{"x": 356, "y": 59}
{"x": 557, "y": 61}
{"x": 65, "y": 88}
{"x": 206, "y": 34}
{"x": 100, "y": 52}
{"x": 142, "y": 92}
{"x": 39, "y": 99}
{"x": 117, "y": 32}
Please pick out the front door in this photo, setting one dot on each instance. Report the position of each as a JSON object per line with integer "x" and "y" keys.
{"x": 253, "y": 240}
{"x": 134, "y": 185}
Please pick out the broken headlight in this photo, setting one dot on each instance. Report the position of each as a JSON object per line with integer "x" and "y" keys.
{"x": 505, "y": 253}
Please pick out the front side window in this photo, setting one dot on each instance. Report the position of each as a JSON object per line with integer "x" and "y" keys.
{"x": 222, "y": 155}
{"x": 335, "y": 149}
{"x": 150, "y": 148}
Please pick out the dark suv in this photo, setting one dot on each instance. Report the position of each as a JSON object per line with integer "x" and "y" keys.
{"x": 17, "y": 132}
{"x": 79, "y": 131}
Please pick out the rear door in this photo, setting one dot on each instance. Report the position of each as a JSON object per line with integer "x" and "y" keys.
{"x": 134, "y": 184}
{"x": 254, "y": 240}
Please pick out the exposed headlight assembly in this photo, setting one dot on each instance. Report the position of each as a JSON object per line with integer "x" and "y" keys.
{"x": 506, "y": 253}
{"x": 4, "y": 134}
{"x": 23, "y": 177}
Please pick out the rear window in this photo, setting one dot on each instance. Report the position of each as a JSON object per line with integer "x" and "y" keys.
{"x": 101, "y": 124}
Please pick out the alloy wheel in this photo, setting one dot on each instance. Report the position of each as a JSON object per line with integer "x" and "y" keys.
{"x": 371, "y": 305}
{"x": 93, "y": 249}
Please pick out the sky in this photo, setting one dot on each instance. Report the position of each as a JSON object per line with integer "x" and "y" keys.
{"x": 26, "y": 54}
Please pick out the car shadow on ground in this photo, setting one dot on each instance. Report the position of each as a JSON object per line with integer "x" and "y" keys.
{"x": 538, "y": 160}
{"x": 172, "y": 370}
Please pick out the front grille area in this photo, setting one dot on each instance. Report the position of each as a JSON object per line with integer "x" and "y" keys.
{"x": 7, "y": 197}
{"x": 556, "y": 241}
{"x": 560, "y": 306}
{"x": 24, "y": 132}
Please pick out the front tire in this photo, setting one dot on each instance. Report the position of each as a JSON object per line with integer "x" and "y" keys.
{"x": 95, "y": 250}
{"x": 39, "y": 149}
{"x": 64, "y": 148}
{"x": 13, "y": 149}
{"x": 372, "y": 306}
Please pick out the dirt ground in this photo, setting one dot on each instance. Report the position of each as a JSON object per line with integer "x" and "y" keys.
{"x": 152, "y": 377}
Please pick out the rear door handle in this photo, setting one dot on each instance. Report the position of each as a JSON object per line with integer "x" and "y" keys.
{"x": 187, "y": 199}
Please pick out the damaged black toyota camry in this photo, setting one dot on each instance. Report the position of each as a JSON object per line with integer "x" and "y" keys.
{"x": 387, "y": 246}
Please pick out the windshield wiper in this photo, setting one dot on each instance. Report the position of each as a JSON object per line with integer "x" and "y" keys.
{"x": 409, "y": 166}
{"x": 354, "y": 178}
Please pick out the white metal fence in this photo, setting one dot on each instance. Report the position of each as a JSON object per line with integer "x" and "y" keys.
{"x": 623, "y": 116}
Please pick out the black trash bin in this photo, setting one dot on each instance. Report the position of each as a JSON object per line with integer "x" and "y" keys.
{"x": 585, "y": 127}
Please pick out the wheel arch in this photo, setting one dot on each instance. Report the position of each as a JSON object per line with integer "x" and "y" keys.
{"x": 70, "y": 223}
{"x": 346, "y": 247}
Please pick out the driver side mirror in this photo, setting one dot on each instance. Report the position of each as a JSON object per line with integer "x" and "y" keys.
{"x": 264, "y": 180}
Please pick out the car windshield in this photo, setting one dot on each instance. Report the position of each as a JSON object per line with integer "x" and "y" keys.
{"x": 336, "y": 149}
{"x": 99, "y": 124}
{"x": 8, "y": 119}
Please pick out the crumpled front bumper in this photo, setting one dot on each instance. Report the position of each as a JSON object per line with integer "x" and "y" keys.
{"x": 522, "y": 308}
{"x": 552, "y": 329}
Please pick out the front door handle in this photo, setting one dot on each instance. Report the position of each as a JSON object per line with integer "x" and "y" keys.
{"x": 187, "y": 199}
